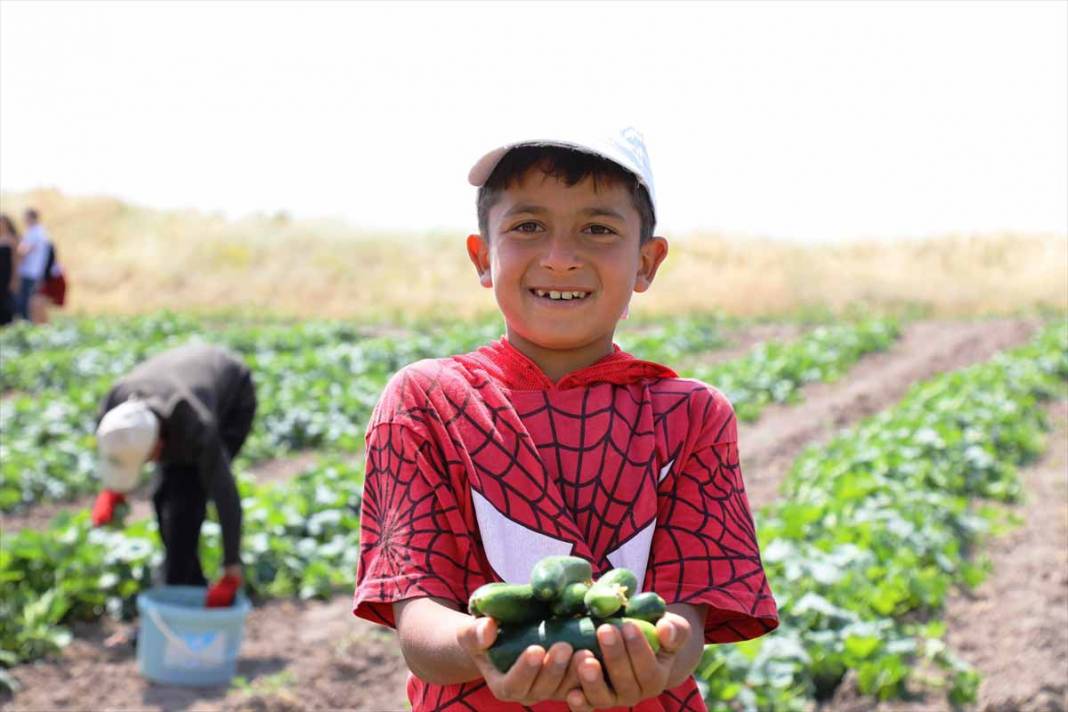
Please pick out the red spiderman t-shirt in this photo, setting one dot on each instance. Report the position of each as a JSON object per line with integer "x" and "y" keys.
{"x": 478, "y": 466}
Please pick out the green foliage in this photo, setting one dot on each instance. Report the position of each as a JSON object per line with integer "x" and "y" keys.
{"x": 300, "y": 538}
{"x": 874, "y": 532}
{"x": 316, "y": 383}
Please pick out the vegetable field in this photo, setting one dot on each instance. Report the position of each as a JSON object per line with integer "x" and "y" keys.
{"x": 899, "y": 471}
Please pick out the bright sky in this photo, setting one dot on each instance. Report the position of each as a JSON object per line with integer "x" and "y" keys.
{"x": 796, "y": 120}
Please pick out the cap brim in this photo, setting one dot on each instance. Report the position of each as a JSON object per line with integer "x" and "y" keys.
{"x": 483, "y": 168}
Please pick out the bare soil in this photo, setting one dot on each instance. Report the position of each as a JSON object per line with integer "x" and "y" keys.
{"x": 295, "y": 656}
{"x": 318, "y": 656}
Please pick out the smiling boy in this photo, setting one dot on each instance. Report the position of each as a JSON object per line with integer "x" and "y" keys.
{"x": 554, "y": 441}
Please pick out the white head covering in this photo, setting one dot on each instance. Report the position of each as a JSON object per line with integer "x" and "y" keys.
{"x": 124, "y": 439}
{"x": 625, "y": 147}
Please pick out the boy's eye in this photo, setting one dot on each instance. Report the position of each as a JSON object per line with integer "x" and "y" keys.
{"x": 600, "y": 230}
{"x": 527, "y": 227}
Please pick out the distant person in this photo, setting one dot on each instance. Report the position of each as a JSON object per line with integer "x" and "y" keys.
{"x": 33, "y": 250}
{"x": 9, "y": 269}
{"x": 52, "y": 292}
{"x": 189, "y": 410}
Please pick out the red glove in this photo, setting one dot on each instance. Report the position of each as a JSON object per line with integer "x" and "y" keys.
{"x": 223, "y": 592}
{"x": 104, "y": 508}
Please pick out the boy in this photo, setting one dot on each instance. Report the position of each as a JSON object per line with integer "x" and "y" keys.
{"x": 553, "y": 441}
{"x": 190, "y": 409}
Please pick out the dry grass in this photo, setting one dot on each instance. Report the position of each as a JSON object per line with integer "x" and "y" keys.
{"x": 126, "y": 259}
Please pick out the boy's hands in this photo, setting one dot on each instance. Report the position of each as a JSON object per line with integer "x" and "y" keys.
{"x": 633, "y": 669}
{"x": 537, "y": 675}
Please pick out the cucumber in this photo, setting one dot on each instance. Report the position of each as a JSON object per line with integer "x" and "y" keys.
{"x": 624, "y": 577}
{"x": 579, "y": 633}
{"x": 473, "y": 603}
{"x": 604, "y": 599}
{"x": 646, "y": 606}
{"x": 507, "y": 603}
{"x": 550, "y": 575}
{"x": 647, "y": 629}
{"x": 571, "y": 601}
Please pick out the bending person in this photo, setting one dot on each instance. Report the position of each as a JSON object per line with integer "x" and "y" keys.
{"x": 188, "y": 409}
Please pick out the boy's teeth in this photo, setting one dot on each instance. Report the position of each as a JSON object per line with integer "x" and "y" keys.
{"x": 555, "y": 294}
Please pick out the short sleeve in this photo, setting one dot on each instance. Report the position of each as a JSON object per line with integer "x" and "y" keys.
{"x": 412, "y": 540}
{"x": 705, "y": 548}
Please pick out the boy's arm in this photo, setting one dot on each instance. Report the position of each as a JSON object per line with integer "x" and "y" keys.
{"x": 427, "y": 628}
{"x": 443, "y": 646}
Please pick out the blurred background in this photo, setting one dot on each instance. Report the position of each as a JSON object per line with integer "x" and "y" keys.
{"x": 177, "y": 150}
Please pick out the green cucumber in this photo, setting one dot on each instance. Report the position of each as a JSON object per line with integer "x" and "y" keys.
{"x": 624, "y": 577}
{"x": 507, "y": 603}
{"x": 647, "y": 629}
{"x": 604, "y": 599}
{"x": 646, "y": 606}
{"x": 571, "y": 601}
{"x": 550, "y": 575}
{"x": 579, "y": 633}
{"x": 474, "y": 601}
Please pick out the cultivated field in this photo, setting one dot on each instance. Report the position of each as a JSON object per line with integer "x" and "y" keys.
{"x": 904, "y": 426}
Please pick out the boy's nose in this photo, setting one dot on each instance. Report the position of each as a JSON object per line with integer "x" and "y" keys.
{"x": 560, "y": 254}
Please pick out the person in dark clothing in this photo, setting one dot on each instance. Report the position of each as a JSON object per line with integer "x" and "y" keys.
{"x": 189, "y": 409}
{"x": 9, "y": 273}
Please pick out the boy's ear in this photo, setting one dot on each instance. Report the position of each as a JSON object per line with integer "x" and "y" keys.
{"x": 650, "y": 255}
{"x": 478, "y": 252}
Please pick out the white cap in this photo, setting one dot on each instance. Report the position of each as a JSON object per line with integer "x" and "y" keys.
{"x": 625, "y": 148}
{"x": 124, "y": 440}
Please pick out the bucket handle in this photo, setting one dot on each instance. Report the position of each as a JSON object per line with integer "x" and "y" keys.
{"x": 172, "y": 636}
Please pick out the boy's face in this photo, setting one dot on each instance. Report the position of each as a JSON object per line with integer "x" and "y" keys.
{"x": 546, "y": 237}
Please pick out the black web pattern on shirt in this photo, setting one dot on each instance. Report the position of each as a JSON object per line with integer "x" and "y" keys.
{"x": 705, "y": 536}
{"x": 703, "y": 516}
{"x": 406, "y": 527}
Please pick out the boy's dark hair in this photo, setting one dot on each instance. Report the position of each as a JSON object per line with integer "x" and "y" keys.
{"x": 32, "y": 214}
{"x": 571, "y": 167}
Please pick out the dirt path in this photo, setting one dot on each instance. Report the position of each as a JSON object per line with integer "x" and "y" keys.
{"x": 317, "y": 656}
{"x": 39, "y": 515}
{"x": 770, "y": 445}
{"x": 1014, "y": 628}
{"x": 295, "y": 656}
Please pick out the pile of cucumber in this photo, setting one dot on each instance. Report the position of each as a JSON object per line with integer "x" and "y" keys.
{"x": 562, "y": 603}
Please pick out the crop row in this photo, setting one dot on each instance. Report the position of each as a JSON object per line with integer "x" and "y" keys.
{"x": 78, "y": 350}
{"x": 874, "y": 530}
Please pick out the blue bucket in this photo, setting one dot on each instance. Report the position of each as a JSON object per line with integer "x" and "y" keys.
{"x": 183, "y": 643}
